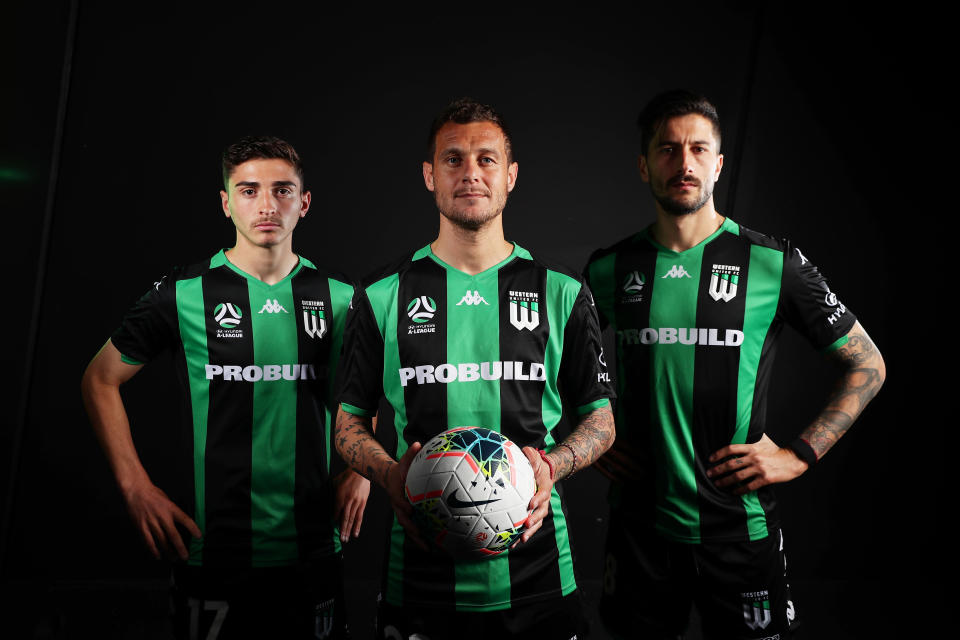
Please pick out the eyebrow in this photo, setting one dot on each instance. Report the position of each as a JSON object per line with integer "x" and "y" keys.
{"x": 459, "y": 151}
{"x": 673, "y": 143}
{"x": 276, "y": 183}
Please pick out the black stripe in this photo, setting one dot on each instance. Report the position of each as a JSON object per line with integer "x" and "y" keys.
{"x": 228, "y": 538}
{"x": 313, "y": 500}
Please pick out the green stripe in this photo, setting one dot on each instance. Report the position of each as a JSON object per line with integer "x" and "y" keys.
{"x": 762, "y": 297}
{"x": 357, "y": 411}
{"x": 340, "y": 296}
{"x": 673, "y": 303}
{"x": 273, "y": 459}
{"x": 596, "y": 404}
{"x": 193, "y": 335}
{"x": 130, "y": 360}
{"x": 383, "y": 299}
{"x": 839, "y": 342}
{"x": 476, "y": 338}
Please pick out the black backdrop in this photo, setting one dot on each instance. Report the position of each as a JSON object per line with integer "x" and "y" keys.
{"x": 110, "y": 173}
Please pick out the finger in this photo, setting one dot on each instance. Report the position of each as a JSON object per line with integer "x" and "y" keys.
{"x": 358, "y": 518}
{"x": 148, "y": 540}
{"x": 187, "y": 522}
{"x": 173, "y": 537}
{"x": 530, "y": 530}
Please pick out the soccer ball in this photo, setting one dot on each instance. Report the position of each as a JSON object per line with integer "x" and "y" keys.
{"x": 470, "y": 488}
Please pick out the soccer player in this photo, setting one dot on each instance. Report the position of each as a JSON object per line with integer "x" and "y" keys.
{"x": 697, "y": 302}
{"x": 504, "y": 339}
{"x": 256, "y": 332}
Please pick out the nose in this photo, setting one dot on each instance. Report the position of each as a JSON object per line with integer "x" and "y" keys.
{"x": 268, "y": 203}
{"x": 686, "y": 161}
{"x": 471, "y": 170}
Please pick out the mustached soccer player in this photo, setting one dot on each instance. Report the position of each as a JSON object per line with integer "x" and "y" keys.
{"x": 697, "y": 302}
{"x": 255, "y": 332}
{"x": 531, "y": 332}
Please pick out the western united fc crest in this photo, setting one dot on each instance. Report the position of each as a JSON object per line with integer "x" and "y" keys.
{"x": 314, "y": 318}
{"x": 723, "y": 282}
{"x": 524, "y": 309}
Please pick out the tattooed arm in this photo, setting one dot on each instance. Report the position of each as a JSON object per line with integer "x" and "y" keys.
{"x": 360, "y": 450}
{"x": 587, "y": 442}
{"x": 762, "y": 463}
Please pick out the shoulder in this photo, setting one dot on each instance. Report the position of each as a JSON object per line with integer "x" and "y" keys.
{"x": 608, "y": 253}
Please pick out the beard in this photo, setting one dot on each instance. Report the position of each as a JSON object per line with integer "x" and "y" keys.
{"x": 678, "y": 207}
{"x": 470, "y": 221}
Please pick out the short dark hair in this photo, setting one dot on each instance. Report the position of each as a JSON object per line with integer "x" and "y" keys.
{"x": 465, "y": 111}
{"x": 672, "y": 104}
{"x": 259, "y": 147}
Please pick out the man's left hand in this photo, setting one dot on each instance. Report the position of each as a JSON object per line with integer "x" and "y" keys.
{"x": 350, "y": 499}
{"x": 540, "y": 502}
{"x": 747, "y": 467}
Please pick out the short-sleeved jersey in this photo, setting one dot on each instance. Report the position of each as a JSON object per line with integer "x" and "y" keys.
{"x": 499, "y": 349}
{"x": 696, "y": 334}
{"x": 256, "y": 364}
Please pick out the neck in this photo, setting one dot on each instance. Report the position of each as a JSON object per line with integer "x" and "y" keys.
{"x": 268, "y": 264}
{"x": 471, "y": 251}
{"x": 679, "y": 233}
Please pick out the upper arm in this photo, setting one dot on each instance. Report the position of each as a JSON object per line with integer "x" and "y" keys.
{"x": 859, "y": 353}
{"x": 108, "y": 368}
{"x": 583, "y": 368}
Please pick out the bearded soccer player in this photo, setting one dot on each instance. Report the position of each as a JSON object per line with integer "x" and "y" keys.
{"x": 477, "y": 361}
{"x": 697, "y": 302}
{"x": 256, "y": 332}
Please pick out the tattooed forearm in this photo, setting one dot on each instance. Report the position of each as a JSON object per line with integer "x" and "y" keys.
{"x": 360, "y": 449}
{"x": 591, "y": 438}
{"x": 864, "y": 373}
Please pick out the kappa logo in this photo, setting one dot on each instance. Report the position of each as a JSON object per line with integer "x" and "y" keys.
{"x": 634, "y": 282}
{"x": 676, "y": 271}
{"x": 723, "y": 282}
{"x": 421, "y": 309}
{"x": 227, "y": 315}
{"x": 472, "y": 298}
{"x": 272, "y": 306}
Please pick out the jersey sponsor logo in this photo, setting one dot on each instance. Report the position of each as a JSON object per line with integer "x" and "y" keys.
{"x": 456, "y": 503}
{"x": 255, "y": 373}
{"x": 756, "y": 609}
{"x": 524, "y": 310}
{"x": 835, "y": 316}
{"x": 803, "y": 259}
{"x": 830, "y": 299}
{"x": 227, "y": 315}
{"x": 472, "y": 371}
{"x": 723, "y": 282}
{"x": 314, "y": 319}
{"x": 421, "y": 309}
{"x": 682, "y": 335}
{"x": 272, "y": 306}
{"x": 472, "y": 298}
{"x": 676, "y": 271}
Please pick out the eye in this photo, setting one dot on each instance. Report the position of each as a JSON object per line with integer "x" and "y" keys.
{"x": 284, "y": 191}
{"x": 486, "y": 161}
{"x": 452, "y": 160}
{"x": 248, "y": 191}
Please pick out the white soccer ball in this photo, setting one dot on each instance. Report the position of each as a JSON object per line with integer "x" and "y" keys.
{"x": 470, "y": 488}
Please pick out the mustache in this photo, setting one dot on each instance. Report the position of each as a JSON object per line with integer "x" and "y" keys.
{"x": 465, "y": 190}
{"x": 683, "y": 179}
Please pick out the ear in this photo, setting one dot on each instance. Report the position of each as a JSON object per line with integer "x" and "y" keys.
{"x": 642, "y": 166}
{"x": 512, "y": 176}
{"x": 304, "y": 203}
{"x": 225, "y": 202}
{"x": 428, "y": 175}
{"x": 716, "y": 174}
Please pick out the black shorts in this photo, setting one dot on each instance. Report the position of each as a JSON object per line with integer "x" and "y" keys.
{"x": 303, "y": 601}
{"x": 740, "y": 588}
{"x": 554, "y": 619}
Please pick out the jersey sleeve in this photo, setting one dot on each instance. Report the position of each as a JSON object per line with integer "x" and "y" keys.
{"x": 583, "y": 369}
{"x": 360, "y": 376}
{"x": 150, "y": 326}
{"x": 809, "y": 306}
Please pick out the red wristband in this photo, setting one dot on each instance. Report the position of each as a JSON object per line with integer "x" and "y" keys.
{"x": 543, "y": 454}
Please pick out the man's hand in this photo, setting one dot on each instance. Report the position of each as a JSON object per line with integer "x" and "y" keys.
{"x": 540, "y": 502}
{"x": 396, "y": 491}
{"x": 155, "y": 517}
{"x": 754, "y": 465}
{"x": 351, "y": 491}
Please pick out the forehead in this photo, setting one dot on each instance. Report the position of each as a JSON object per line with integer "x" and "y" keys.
{"x": 264, "y": 171}
{"x": 689, "y": 127}
{"x": 470, "y": 136}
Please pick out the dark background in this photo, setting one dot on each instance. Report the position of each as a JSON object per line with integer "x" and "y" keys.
{"x": 112, "y": 128}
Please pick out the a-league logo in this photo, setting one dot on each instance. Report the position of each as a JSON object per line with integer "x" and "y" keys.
{"x": 227, "y": 315}
{"x": 421, "y": 309}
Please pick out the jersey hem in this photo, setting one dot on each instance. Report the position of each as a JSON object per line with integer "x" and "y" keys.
{"x": 130, "y": 360}
{"x": 357, "y": 411}
{"x": 839, "y": 342}
{"x": 596, "y": 404}
{"x": 564, "y": 591}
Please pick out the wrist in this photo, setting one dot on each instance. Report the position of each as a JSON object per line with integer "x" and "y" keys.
{"x": 802, "y": 449}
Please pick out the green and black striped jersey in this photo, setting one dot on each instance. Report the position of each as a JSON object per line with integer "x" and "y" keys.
{"x": 500, "y": 349}
{"x": 696, "y": 334}
{"x": 256, "y": 363}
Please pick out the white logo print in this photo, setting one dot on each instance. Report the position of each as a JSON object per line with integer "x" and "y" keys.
{"x": 524, "y": 315}
{"x": 757, "y": 616}
{"x": 634, "y": 282}
{"x": 803, "y": 259}
{"x": 227, "y": 315}
{"x": 723, "y": 282}
{"x": 472, "y": 298}
{"x": 314, "y": 323}
{"x": 272, "y": 306}
{"x": 421, "y": 309}
{"x": 676, "y": 272}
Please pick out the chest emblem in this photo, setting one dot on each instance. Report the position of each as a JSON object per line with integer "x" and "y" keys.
{"x": 723, "y": 282}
